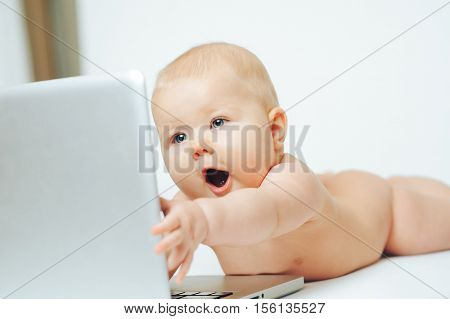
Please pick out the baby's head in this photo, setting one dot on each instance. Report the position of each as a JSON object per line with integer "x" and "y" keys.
{"x": 218, "y": 118}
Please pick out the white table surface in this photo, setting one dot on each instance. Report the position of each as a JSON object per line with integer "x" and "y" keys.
{"x": 383, "y": 279}
{"x": 420, "y": 276}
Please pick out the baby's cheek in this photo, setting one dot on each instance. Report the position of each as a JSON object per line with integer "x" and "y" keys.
{"x": 245, "y": 161}
{"x": 180, "y": 161}
{"x": 189, "y": 184}
{"x": 256, "y": 151}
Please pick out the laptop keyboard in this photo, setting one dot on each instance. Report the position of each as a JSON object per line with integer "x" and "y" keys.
{"x": 200, "y": 294}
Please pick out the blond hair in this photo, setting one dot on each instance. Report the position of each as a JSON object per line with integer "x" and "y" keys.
{"x": 199, "y": 60}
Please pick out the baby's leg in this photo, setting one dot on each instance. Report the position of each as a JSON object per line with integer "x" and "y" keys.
{"x": 421, "y": 216}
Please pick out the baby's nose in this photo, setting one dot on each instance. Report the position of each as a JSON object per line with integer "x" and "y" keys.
{"x": 199, "y": 153}
{"x": 201, "y": 149}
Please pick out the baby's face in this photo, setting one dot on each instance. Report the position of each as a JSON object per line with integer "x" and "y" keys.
{"x": 217, "y": 140}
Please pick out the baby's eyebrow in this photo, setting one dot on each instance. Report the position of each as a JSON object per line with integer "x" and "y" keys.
{"x": 170, "y": 129}
{"x": 212, "y": 111}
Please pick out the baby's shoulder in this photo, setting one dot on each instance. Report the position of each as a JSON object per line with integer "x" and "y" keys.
{"x": 293, "y": 174}
{"x": 289, "y": 164}
{"x": 346, "y": 182}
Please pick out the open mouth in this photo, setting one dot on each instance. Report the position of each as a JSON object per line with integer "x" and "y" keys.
{"x": 216, "y": 177}
{"x": 217, "y": 180}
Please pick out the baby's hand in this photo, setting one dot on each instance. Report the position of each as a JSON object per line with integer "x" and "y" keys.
{"x": 186, "y": 227}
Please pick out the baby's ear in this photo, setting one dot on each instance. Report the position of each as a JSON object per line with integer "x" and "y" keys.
{"x": 278, "y": 126}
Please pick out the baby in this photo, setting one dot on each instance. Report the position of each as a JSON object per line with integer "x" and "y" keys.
{"x": 261, "y": 210}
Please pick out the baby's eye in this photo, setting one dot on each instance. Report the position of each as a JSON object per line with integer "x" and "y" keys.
{"x": 217, "y": 123}
{"x": 179, "y": 138}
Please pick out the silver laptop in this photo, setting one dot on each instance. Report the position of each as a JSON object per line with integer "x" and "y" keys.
{"x": 77, "y": 200}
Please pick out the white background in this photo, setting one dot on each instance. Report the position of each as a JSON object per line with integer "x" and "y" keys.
{"x": 388, "y": 115}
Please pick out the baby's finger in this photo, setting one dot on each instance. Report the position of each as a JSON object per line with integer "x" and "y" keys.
{"x": 164, "y": 204}
{"x": 169, "y": 223}
{"x": 170, "y": 271}
{"x": 177, "y": 255}
{"x": 170, "y": 241}
{"x": 184, "y": 268}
